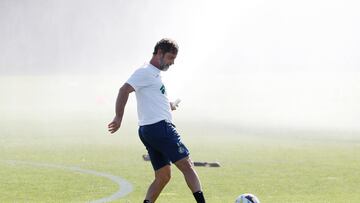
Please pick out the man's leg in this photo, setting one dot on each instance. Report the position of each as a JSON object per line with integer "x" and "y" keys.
{"x": 162, "y": 177}
{"x": 192, "y": 179}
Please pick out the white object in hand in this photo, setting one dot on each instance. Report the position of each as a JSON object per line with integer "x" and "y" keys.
{"x": 176, "y": 102}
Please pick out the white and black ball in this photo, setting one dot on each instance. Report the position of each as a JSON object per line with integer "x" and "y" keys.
{"x": 247, "y": 198}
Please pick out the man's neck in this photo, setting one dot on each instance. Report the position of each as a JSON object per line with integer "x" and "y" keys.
{"x": 154, "y": 62}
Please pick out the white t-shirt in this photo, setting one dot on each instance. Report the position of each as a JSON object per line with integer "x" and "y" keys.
{"x": 152, "y": 102}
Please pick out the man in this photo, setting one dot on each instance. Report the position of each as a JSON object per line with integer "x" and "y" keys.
{"x": 156, "y": 130}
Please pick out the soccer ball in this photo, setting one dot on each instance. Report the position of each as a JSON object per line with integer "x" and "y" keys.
{"x": 247, "y": 198}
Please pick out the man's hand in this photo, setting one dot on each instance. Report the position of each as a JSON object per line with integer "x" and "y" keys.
{"x": 175, "y": 104}
{"x": 172, "y": 106}
{"x": 114, "y": 125}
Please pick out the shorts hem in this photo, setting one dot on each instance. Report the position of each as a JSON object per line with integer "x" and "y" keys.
{"x": 181, "y": 157}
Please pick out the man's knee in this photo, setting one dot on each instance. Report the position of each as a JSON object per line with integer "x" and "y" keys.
{"x": 184, "y": 164}
{"x": 163, "y": 175}
{"x": 163, "y": 178}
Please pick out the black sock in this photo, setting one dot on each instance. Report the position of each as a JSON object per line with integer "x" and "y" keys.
{"x": 147, "y": 201}
{"x": 199, "y": 196}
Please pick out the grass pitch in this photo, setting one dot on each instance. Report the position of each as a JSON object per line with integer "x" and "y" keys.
{"x": 277, "y": 167}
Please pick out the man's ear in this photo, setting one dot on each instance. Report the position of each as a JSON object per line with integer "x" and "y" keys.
{"x": 160, "y": 52}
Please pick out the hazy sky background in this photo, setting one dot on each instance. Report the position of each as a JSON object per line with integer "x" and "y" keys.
{"x": 254, "y": 63}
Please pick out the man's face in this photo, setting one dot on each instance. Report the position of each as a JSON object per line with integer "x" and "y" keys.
{"x": 166, "y": 60}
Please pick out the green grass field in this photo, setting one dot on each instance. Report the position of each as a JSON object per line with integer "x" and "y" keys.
{"x": 49, "y": 120}
{"x": 277, "y": 167}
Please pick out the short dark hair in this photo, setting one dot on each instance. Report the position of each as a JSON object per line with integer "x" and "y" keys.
{"x": 166, "y": 45}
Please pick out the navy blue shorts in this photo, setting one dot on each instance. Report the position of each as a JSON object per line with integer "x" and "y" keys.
{"x": 162, "y": 143}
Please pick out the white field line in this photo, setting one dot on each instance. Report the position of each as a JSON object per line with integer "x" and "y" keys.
{"x": 124, "y": 187}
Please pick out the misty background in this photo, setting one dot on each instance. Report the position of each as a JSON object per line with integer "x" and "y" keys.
{"x": 257, "y": 64}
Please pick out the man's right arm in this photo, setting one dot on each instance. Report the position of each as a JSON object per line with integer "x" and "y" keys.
{"x": 121, "y": 100}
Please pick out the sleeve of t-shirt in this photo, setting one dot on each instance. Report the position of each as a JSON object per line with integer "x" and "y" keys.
{"x": 140, "y": 78}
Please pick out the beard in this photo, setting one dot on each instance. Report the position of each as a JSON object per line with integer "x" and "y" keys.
{"x": 163, "y": 65}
